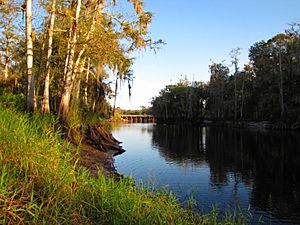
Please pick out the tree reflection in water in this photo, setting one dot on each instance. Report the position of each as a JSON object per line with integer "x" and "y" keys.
{"x": 268, "y": 162}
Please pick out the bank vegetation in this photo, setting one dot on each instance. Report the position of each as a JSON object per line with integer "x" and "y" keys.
{"x": 266, "y": 89}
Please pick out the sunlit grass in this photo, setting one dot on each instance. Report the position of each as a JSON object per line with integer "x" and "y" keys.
{"x": 40, "y": 183}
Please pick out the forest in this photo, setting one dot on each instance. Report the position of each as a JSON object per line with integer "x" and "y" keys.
{"x": 265, "y": 89}
{"x": 66, "y": 61}
{"x": 57, "y": 62}
{"x": 64, "y": 56}
{"x": 61, "y": 62}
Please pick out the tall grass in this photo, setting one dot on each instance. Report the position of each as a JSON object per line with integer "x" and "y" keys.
{"x": 40, "y": 183}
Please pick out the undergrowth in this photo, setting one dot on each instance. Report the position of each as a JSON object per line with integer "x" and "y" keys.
{"x": 40, "y": 183}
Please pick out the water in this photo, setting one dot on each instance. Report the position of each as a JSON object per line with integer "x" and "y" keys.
{"x": 228, "y": 168}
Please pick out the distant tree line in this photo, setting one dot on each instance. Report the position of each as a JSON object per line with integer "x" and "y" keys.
{"x": 267, "y": 88}
{"x": 142, "y": 111}
{"x": 184, "y": 101}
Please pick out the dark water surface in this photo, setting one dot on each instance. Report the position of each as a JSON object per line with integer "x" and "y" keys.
{"x": 218, "y": 166}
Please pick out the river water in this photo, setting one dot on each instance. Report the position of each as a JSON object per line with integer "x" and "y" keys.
{"x": 256, "y": 171}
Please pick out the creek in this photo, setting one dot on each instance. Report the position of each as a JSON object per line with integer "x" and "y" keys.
{"x": 255, "y": 171}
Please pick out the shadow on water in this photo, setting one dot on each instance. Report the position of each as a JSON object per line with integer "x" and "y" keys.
{"x": 267, "y": 162}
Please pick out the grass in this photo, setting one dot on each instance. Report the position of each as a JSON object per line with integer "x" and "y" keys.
{"x": 40, "y": 183}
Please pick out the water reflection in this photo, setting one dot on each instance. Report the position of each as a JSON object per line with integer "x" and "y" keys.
{"x": 267, "y": 162}
{"x": 180, "y": 145}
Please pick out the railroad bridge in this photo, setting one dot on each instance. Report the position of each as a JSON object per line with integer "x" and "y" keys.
{"x": 138, "y": 118}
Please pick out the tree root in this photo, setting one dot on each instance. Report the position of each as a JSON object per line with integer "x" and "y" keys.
{"x": 98, "y": 147}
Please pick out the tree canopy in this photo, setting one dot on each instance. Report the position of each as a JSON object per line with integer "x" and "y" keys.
{"x": 267, "y": 88}
{"x": 74, "y": 46}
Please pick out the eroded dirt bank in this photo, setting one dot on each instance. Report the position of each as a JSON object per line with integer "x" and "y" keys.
{"x": 97, "y": 149}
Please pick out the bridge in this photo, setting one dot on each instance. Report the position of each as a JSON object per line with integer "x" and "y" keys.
{"x": 138, "y": 118}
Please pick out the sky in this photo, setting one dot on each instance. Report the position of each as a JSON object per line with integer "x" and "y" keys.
{"x": 198, "y": 32}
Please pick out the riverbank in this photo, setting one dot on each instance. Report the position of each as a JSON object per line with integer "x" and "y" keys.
{"x": 42, "y": 182}
{"x": 97, "y": 149}
{"x": 94, "y": 161}
{"x": 256, "y": 125}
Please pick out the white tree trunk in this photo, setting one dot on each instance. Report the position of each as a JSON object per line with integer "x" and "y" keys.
{"x": 31, "y": 103}
{"x": 87, "y": 37}
{"x": 68, "y": 54}
{"x": 78, "y": 80}
{"x": 6, "y": 62}
{"x": 85, "y": 97}
{"x": 46, "y": 104}
{"x": 69, "y": 79}
{"x": 73, "y": 67}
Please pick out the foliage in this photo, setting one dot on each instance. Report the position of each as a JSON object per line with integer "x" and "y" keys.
{"x": 277, "y": 77}
{"x": 41, "y": 183}
{"x": 78, "y": 47}
{"x": 268, "y": 88}
{"x": 183, "y": 101}
{"x": 16, "y": 101}
{"x": 142, "y": 111}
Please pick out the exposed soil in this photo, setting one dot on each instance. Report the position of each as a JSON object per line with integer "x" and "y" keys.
{"x": 97, "y": 161}
{"x": 98, "y": 147}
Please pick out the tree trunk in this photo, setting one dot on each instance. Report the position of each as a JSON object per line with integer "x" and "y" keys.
{"x": 46, "y": 104}
{"x": 87, "y": 37}
{"x": 72, "y": 68}
{"x": 68, "y": 55}
{"x": 235, "y": 98}
{"x": 94, "y": 105}
{"x": 282, "y": 112}
{"x": 6, "y": 62}
{"x": 235, "y": 91}
{"x": 234, "y": 55}
{"x": 116, "y": 93}
{"x": 69, "y": 79}
{"x": 242, "y": 104}
{"x": 85, "y": 97}
{"x": 78, "y": 81}
{"x": 31, "y": 103}
{"x": 167, "y": 117}
{"x": 41, "y": 61}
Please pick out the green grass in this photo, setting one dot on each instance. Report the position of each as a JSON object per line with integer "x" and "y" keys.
{"x": 40, "y": 183}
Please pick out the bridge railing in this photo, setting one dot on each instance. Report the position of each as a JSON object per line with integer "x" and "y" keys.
{"x": 139, "y": 118}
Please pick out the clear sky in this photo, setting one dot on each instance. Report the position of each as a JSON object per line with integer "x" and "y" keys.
{"x": 198, "y": 31}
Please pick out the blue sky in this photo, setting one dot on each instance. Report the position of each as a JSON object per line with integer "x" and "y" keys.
{"x": 198, "y": 31}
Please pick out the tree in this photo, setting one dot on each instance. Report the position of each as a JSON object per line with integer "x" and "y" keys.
{"x": 279, "y": 44}
{"x": 272, "y": 64}
{"x": 69, "y": 76}
{"x": 46, "y": 104}
{"x": 8, "y": 36}
{"x": 246, "y": 91}
{"x": 31, "y": 101}
{"x": 234, "y": 54}
{"x": 265, "y": 88}
{"x": 216, "y": 90}
{"x": 81, "y": 43}
{"x": 182, "y": 102}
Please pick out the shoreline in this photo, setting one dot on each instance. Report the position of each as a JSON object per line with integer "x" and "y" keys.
{"x": 97, "y": 150}
{"x": 96, "y": 161}
{"x": 252, "y": 125}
